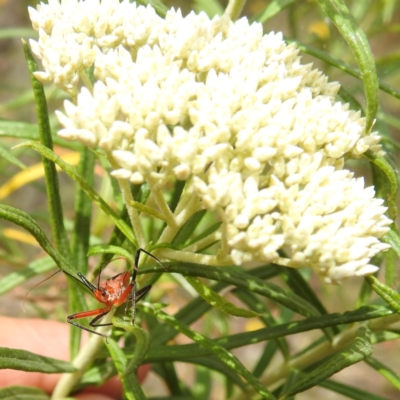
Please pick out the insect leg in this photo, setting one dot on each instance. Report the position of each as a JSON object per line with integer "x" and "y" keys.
{"x": 100, "y": 313}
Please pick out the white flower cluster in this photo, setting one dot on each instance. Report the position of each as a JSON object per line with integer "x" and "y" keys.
{"x": 215, "y": 101}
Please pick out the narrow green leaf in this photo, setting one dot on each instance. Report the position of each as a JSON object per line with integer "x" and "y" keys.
{"x": 364, "y": 295}
{"x": 71, "y": 171}
{"x": 183, "y": 352}
{"x": 176, "y": 194}
{"x": 299, "y": 285}
{"x": 110, "y": 249}
{"x": 390, "y": 184}
{"x": 349, "y": 391}
{"x": 167, "y": 372}
{"x": 23, "y": 393}
{"x": 8, "y": 156}
{"x": 391, "y": 268}
{"x": 205, "y": 233}
{"x": 34, "y": 268}
{"x": 213, "y": 363}
{"x": 241, "y": 280}
{"x": 384, "y": 336}
{"x": 100, "y": 372}
{"x": 50, "y": 173}
{"x": 188, "y": 228}
{"x": 219, "y": 302}
{"x": 148, "y": 210}
{"x": 265, "y": 358}
{"x": 24, "y": 130}
{"x": 141, "y": 347}
{"x": 290, "y": 380}
{"x": 389, "y": 8}
{"x": 392, "y": 121}
{"x": 340, "y": 15}
{"x": 80, "y": 242}
{"x": 24, "y": 220}
{"x": 254, "y": 303}
{"x": 117, "y": 239}
{"x": 388, "y": 294}
{"x": 225, "y": 356}
{"x": 23, "y": 360}
{"x": 347, "y": 97}
{"x": 341, "y": 65}
{"x": 83, "y": 212}
{"x": 393, "y": 238}
{"x": 357, "y": 350}
{"x": 27, "y": 97}
{"x": 390, "y": 375}
{"x": 202, "y": 384}
{"x": 17, "y": 33}
{"x": 197, "y": 307}
{"x": 273, "y": 8}
{"x": 19, "y": 129}
{"x": 118, "y": 356}
{"x": 132, "y": 388}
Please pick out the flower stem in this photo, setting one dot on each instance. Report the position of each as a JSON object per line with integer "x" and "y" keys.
{"x": 205, "y": 242}
{"x": 161, "y": 203}
{"x": 235, "y": 8}
{"x": 133, "y": 214}
{"x": 185, "y": 256}
{"x": 188, "y": 204}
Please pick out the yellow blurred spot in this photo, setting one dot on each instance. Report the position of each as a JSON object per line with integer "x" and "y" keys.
{"x": 253, "y": 325}
{"x": 31, "y": 174}
{"x": 319, "y": 28}
{"x": 20, "y": 236}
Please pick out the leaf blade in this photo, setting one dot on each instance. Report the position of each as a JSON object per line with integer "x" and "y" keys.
{"x": 357, "y": 350}
{"x": 22, "y": 393}
{"x": 93, "y": 195}
{"x": 23, "y": 360}
{"x": 218, "y": 301}
{"x": 340, "y": 15}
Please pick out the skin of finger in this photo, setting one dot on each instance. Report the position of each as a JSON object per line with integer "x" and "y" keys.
{"x": 50, "y": 339}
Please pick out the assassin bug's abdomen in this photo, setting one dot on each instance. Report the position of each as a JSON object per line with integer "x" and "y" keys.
{"x": 111, "y": 292}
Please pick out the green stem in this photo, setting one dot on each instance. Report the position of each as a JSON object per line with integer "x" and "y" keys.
{"x": 82, "y": 361}
{"x": 141, "y": 347}
{"x": 185, "y": 256}
{"x": 83, "y": 212}
{"x": 192, "y": 207}
{"x": 203, "y": 243}
{"x": 132, "y": 212}
{"x": 51, "y": 177}
{"x": 161, "y": 203}
{"x": 188, "y": 204}
{"x": 234, "y": 8}
{"x": 185, "y": 197}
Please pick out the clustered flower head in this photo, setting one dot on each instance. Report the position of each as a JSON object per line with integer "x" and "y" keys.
{"x": 235, "y": 112}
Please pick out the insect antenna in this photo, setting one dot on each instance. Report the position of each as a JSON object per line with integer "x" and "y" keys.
{"x": 36, "y": 285}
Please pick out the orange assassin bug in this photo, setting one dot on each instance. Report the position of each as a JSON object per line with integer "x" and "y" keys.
{"x": 113, "y": 292}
